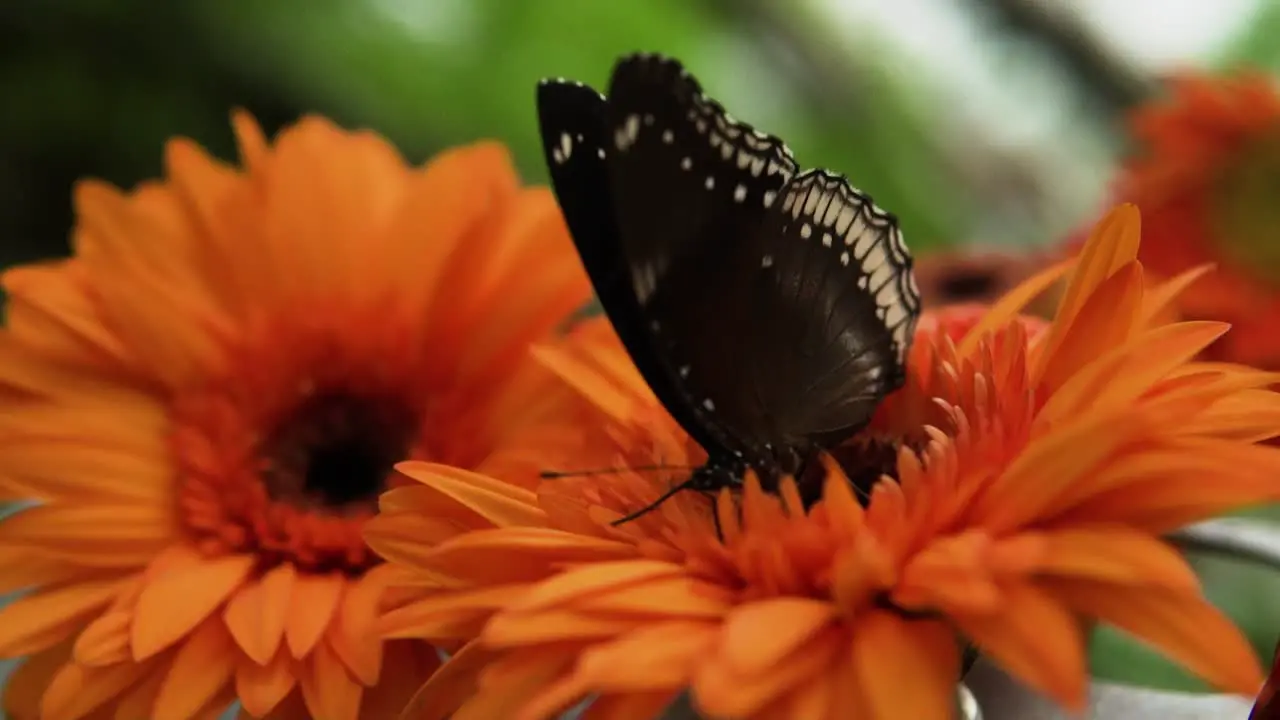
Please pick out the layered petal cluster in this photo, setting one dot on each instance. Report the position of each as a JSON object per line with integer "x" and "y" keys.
{"x": 1037, "y": 466}
{"x": 1203, "y": 172}
{"x": 201, "y": 406}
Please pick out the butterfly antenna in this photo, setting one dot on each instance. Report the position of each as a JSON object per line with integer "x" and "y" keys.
{"x": 553, "y": 474}
{"x": 671, "y": 491}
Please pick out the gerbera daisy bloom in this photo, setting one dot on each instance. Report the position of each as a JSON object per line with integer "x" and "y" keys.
{"x": 1029, "y": 470}
{"x": 1203, "y": 172}
{"x": 205, "y": 401}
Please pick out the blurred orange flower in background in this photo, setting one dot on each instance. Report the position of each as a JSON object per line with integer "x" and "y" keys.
{"x": 1206, "y": 172}
{"x": 1032, "y": 471}
{"x": 206, "y": 400}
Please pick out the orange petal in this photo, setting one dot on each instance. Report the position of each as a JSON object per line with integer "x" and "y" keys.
{"x": 315, "y": 600}
{"x": 758, "y": 635}
{"x": 503, "y": 504}
{"x": 906, "y": 669}
{"x": 262, "y": 687}
{"x": 97, "y": 535}
{"x": 200, "y": 670}
{"x": 657, "y": 657}
{"x": 175, "y": 601}
{"x": 105, "y": 640}
{"x": 521, "y": 554}
{"x": 430, "y": 617}
{"x": 1116, "y": 554}
{"x": 45, "y": 618}
{"x": 1183, "y": 625}
{"x": 592, "y": 579}
{"x": 1035, "y": 638}
{"x": 327, "y": 689}
{"x": 1012, "y": 303}
{"x": 632, "y": 706}
{"x": 351, "y": 634}
{"x": 550, "y": 626}
{"x": 257, "y": 612}
{"x": 451, "y": 685}
{"x": 76, "y": 691}
{"x": 719, "y": 691}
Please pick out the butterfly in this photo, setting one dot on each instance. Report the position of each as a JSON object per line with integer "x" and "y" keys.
{"x": 769, "y": 309}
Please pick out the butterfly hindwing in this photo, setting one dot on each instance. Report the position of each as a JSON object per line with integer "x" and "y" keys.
{"x": 688, "y": 180}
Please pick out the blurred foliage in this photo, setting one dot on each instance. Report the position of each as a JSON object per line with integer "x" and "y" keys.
{"x": 93, "y": 88}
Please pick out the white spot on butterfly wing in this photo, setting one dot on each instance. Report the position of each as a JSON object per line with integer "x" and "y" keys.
{"x": 740, "y": 193}
{"x": 686, "y": 163}
{"x": 711, "y": 182}
{"x": 668, "y": 137}
{"x": 709, "y": 405}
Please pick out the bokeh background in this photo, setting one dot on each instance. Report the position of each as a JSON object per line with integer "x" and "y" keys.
{"x": 993, "y": 123}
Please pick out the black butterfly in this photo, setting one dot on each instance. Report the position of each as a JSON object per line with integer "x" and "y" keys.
{"x": 770, "y": 310}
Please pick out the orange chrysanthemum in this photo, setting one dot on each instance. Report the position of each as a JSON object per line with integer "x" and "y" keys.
{"x": 1204, "y": 174}
{"x": 206, "y": 400}
{"x": 1051, "y": 459}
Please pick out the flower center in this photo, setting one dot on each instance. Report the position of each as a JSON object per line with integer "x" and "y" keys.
{"x": 334, "y": 451}
{"x": 1245, "y": 215}
{"x": 967, "y": 284}
{"x": 865, "y": 460}
{"x": 288, "y": 480}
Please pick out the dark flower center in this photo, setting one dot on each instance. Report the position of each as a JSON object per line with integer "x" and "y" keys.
{"x": 969, "y": 284}
{"x": 1244, "y": 212}
{"x": 335, "y": 450}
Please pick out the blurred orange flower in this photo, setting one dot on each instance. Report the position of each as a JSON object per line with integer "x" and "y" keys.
{"x": 1204, "y": 174}
{"x": 206, "y": 400}
{"x": 1031, "y": 470}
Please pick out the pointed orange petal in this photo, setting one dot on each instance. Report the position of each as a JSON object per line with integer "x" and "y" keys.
{"x": 1116, "y": 554}
{"x": 1012, "y": 303}
{"x": 759, "y": 634}
{"x": 42, "y": 619}
{"x": 351, "y": 634}
{"x": 596, "y": 578}
{"x": 1107, "y": 318}
{"x": 105, "y": 640}
{"x": 906, "y": 669}
{"x": 262, "y": 687}
{"x": 451, "y": 685}
{"x": 76, "y": 691}
{"x": 200, "y": 670}
{"x": 1161, "y": 297}
{"x": 1183, "y": 625}
{"x": 632, "y": 706}
{"x": 174, "y": 602}
{"x": 97, "y": 535}
{"x": 521, "y": 554}
{"x": 503, "y": 504}
{"x": 1035, "y": 638}
{"x": 719, "y": 691}
{"x": 553, "y": 626}
{"x": 430, "y": 616}
{"x": 256, "y": 613}
{"x": 658, "y": 657}
{"x": 327, "y": 689}
{"x": 314, "y": 602}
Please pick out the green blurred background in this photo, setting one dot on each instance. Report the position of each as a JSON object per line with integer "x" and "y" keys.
{"x": 989, "y": 122}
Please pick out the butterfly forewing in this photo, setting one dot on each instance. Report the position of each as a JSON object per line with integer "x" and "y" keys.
{"x": 575, "y": 137}
{"x": 688, "y": 180}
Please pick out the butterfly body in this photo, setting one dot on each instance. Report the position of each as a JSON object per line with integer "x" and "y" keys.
{"x": 770, "y": 309}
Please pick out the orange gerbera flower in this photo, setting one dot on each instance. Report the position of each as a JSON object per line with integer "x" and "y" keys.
{"x": 1204, "y": 173}
{"x": 206, "y": 400}
{"x": 1031, "y": 469}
